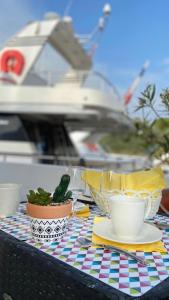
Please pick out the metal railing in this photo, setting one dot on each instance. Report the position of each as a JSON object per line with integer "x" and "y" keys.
{"x": 70, "y": 160}
{"x": 92, "y": 79}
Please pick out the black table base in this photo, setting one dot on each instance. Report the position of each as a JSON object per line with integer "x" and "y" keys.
{"x": 29, "y": 274}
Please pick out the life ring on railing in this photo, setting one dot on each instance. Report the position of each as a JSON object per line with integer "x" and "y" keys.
{"x": 12, "y": 61}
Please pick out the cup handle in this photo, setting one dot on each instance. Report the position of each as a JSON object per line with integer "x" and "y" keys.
{"x": 148, "y": 208}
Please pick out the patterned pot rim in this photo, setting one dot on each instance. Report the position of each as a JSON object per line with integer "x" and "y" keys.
{"x": 49, "y": 212}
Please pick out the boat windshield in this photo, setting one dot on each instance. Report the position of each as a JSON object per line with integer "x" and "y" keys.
{"x": 98, "y": 81}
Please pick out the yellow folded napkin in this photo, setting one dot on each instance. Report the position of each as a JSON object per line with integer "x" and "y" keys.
{"x": 153, "y": 247}
{"x": 83, "y": 212}
{"x": 150, "y": 180}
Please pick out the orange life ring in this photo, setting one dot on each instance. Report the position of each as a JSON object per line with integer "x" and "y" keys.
{"x": 12, "y": 61}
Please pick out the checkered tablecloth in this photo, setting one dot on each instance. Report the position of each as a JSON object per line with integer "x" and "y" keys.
{"x": 111, "y": 268}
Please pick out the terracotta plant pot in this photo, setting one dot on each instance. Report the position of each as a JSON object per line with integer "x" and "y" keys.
{"x": 48, "y": 223}
{"x": 164, "y": 205}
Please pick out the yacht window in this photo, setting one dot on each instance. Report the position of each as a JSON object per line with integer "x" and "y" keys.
{"x": 11, "y": 129}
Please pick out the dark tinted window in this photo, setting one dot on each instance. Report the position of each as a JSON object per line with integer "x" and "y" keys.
{"x": 11, "y": 129}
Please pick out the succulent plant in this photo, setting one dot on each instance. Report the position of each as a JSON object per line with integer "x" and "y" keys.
{"x": 42, "y": 197}
{"x": 61, "y": 194}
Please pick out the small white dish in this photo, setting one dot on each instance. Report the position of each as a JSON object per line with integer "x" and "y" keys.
{"x": 79, "y": 206}
{"x": 149, "y": 233}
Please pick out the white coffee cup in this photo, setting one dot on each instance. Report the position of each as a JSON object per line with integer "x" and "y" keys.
{"x": 127, "y": 216}
{"x": 9, "y": 199}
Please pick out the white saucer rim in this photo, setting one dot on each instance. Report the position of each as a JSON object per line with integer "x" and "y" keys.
{"x": 119, "y": 240}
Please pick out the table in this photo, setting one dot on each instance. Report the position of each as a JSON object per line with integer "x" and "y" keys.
{"x": 63, "y": 270}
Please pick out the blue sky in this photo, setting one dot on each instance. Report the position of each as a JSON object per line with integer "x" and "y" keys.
{"x": 137, "y": 30}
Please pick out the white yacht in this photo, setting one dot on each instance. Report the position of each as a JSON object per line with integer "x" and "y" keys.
{"x": 49, "y": 111}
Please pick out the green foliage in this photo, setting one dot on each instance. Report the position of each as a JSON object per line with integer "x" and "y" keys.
{"x": 41, "y": 197}
{"x": 147, "y": 97}
{"x": 151, "y": 136}
{"x": 61, "y": 194}
{"x": 155, "y": 134}
{"x": 165, "y": 98}
{"x": 123, "y": 143}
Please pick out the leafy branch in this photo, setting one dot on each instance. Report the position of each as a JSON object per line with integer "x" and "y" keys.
{"x": 154, "y": 133}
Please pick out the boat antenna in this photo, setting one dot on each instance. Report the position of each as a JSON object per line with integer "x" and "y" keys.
{"x": 92, "y": 40}
{"x": 100, "y": 28}
{"x": 68, "y": 8}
